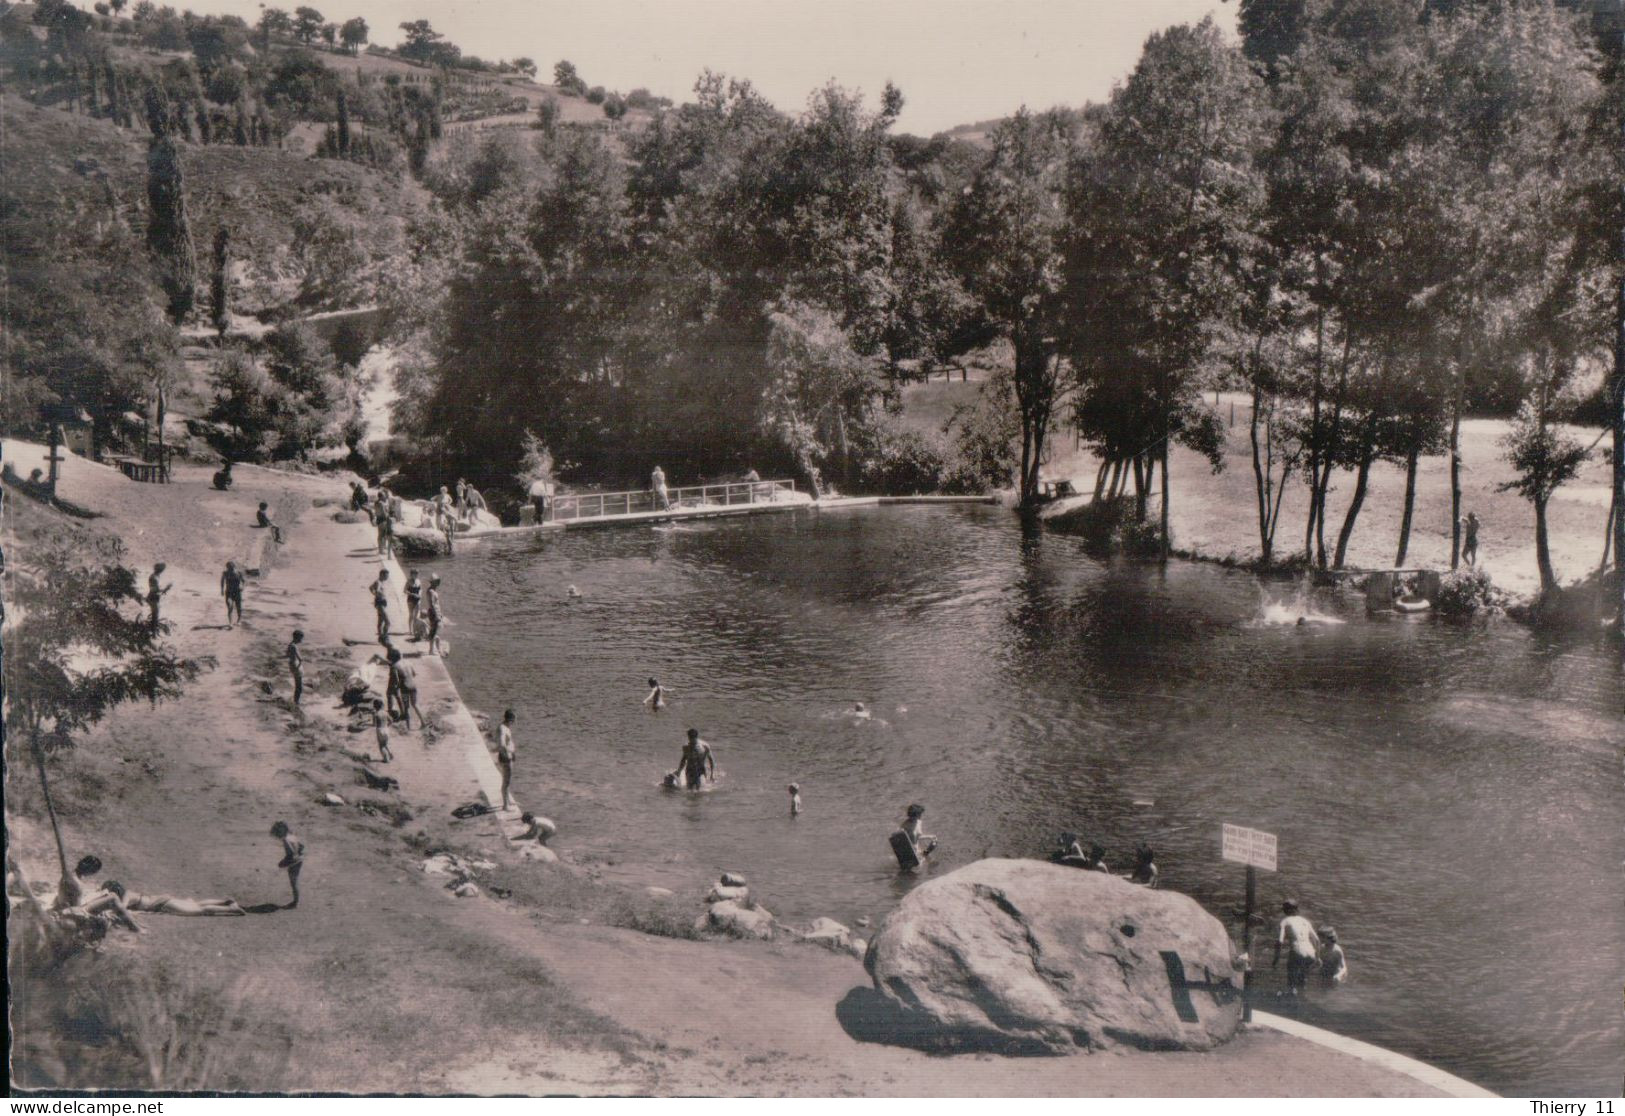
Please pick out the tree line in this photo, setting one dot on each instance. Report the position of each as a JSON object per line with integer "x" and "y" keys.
{"x": 1374, "y": 216}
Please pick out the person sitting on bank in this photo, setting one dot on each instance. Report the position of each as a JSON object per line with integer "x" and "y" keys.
{"x": 1070, "y": 852}
{"x": 262, "y": 518}
{"x": 107, "y": 903}
{"x": 1145, "y": 867}
{"x": 924, "y": 843}
{"x": 75, "y": 884}
{"x": 536, "y": 829}
{"x": 1097, "y": 859}
{"x": 222, "y": 478}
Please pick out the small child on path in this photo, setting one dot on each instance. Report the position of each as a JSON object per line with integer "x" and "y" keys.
{"x": 262, "y": 518}
{"x": 155, "y": 592}
{"x": 296, "y": 664}
{"x": 380, "y": 729}
{"x": 293, "y": 857}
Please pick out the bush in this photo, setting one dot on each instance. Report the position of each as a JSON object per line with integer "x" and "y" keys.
{"x": 1464, "y": 592}
{"x": 595, "y": 95}
{"x": 897, "y": 460}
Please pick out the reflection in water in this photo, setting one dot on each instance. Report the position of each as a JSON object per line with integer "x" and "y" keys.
{"x": 1448, "y": 796}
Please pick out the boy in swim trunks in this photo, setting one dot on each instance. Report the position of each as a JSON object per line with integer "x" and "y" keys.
{"x": 231, "y": 588}
{"x": 293, "y": 857}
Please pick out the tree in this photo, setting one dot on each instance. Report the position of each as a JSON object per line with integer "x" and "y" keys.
{"x": 307, "y": 24}
{"x": 547, "y": 115}
{"x": 169, "y": 236}
{"x": 1165, "y": 211}
{"x": 273, "y": 21}
{"x": 353, "y": 34}
{"x": 422, "y": 41}
{"x": 1004, "y": 238}
{"x": 566, "y": 78}
{"x": 342, "y": 133}
{"x": 220, "y": 283}
{"x": 73, "y": 655}
{"x": 525, "y": 66}
{"x": 1544, "y": 459}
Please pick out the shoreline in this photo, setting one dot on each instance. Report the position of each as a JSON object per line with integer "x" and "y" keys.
{"x": 610, "y": 1010}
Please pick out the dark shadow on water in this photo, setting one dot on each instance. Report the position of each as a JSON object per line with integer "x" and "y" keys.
{"x": 264, "y": 908}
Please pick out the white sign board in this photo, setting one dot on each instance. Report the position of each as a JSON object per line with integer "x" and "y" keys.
{"x": 1249, "y": 846}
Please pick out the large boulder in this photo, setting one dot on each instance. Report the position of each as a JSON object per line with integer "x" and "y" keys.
{"x": 1031, "y": 957}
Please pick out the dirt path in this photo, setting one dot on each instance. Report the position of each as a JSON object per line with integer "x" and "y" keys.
{"x": 381, "y": 979}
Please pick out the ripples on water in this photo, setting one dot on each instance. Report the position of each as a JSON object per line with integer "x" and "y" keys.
{"x": 1449, "y": 797}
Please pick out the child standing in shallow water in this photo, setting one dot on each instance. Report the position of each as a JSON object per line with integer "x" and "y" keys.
{"x": 656, "y": 701}
{"x": 293, "y": 857}
{"x": 795, "y": 799}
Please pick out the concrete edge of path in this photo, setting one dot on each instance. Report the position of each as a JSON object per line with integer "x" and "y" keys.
{"x": 1431, "y": 1076}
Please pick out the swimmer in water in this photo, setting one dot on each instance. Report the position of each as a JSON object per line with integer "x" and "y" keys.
{"x": 795, "y": 799}
{"x": 696, "y": 764}
{"x": 656, "y": 701}
{"x": 859, "y": 712}
{"x": 572, "y": 592}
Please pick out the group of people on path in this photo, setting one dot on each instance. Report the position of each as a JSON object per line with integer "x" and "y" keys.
{"x": 92, "y": 907}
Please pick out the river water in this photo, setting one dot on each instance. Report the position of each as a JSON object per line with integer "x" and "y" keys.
{"x": 1449, "y": 797}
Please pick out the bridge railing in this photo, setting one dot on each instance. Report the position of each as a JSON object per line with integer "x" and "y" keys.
{"x": 572, "y": 506}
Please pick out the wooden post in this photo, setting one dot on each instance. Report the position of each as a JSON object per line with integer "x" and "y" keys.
{"x": 1247, "y": 946}
{"x": 53, "y": 456}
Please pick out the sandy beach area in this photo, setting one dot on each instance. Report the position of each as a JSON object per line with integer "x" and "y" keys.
{"x": 382, "y": 979}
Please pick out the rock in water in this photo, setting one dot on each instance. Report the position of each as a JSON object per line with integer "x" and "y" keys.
{"x": 723, "y": 893}
{"x": 736, "y": 921}
{"x": 1031, "y": 957}
{"x": 732, "y": 879}
{"x": 829, "y": 934}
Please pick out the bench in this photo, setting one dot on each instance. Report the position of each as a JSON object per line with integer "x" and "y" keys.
{"x": 150, "y": 472}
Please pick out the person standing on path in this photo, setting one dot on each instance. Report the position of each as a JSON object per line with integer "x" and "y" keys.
{"x": 1297, "y": 935}
{"x": 385, "y": 524}
{"x": 414, "y": 604}
{"x": 231, "y": 588}
{"x": 155, "y": 592}
{"x": 505, "y": 754}
{"x": 538, "y": 493}
{"x": 293, "y": 858}
{"x": 380, "y": 601}
{"x": 432, "y": 603}
{"x": 406, "y": 688}
{"x": 657, "y": 482}
{"x": 296, "y": 664}
{"x": 1469, "y": 541}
